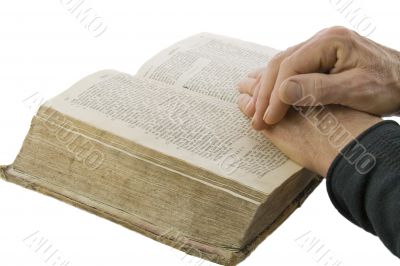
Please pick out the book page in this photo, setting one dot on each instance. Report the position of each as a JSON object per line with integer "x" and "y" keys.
{"x": 200, "y": 130}
{"x": 208, "y": 64}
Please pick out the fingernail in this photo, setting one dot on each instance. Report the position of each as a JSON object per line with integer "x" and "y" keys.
{"x": 253, "y": 121}
{"x": 249, "y": 104}
{"x": 266, "y": 114}
{"x": 292, "y": 92}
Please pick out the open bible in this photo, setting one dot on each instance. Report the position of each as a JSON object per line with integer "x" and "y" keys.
{"x": 167, "y": 152}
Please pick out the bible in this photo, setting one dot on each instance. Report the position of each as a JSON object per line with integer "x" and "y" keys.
{"x": 166, "y": 152}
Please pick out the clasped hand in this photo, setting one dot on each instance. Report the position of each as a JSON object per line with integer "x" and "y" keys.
{"x": 336, "y": 67}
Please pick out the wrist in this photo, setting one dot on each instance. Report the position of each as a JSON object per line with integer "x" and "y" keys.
{"x": 396, "y": 74}
{"x": 350, "y": 125}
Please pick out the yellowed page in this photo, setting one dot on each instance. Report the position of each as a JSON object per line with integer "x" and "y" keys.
{"x": 196, "y": 128}
{"x": 208, "y": 64}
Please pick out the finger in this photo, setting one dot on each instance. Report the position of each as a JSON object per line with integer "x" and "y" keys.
{"x": 276, "y": 109}
{"x": 255, "y": 94}
{"x": 256, "y": 91}
{"x": 262, "y": 92}
{"x": 256, "y": 73}
{"x": 316, "y": 89}
{"x": 312, "y": 57}
{"x": 257, "y": 86}
{"x": 246, "y": 104}
{"x": 267, "y": 82}
{"x": 247, "y": 85}
{"x": 255, "y": 97}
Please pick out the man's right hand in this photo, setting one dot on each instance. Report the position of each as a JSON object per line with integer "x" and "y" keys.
{"x": 336, "y": 66}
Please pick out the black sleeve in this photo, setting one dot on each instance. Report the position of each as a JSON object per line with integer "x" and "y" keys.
{"x": 363, "y": 182}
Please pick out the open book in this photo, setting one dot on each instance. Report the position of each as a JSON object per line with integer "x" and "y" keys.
{"x": 167, "y": 152}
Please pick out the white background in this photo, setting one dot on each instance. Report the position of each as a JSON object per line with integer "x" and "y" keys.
{"x": 44, "y": 49}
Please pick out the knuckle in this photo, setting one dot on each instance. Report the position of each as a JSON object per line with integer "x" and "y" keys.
{"x": 290, "y": 50}
{"x": 337, "y": 32}
{"x": 286, "y": 64}
{"x": 280, "y": 56}
{"x": 253, "y": 89}
{"x": 276, "y": 59}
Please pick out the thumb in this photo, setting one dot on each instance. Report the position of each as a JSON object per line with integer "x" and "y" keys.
{"x": 323, "y": 88}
